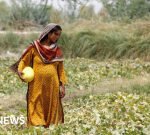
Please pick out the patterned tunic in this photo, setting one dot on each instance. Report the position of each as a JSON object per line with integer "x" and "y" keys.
{"x": 43, "y": 103}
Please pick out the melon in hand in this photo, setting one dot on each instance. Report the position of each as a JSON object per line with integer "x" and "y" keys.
{"x": 28, "y": 74}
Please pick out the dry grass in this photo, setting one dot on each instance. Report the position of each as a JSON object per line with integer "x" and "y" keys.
{"x": 12, "y": 102}
{"x": 95, "y": 26}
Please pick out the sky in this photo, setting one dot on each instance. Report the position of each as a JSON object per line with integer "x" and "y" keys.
{"x": 97, "y": 5}
{"x": 56, "y": 3}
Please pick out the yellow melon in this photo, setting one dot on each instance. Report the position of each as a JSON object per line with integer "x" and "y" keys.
{"x": 28, "y": 74}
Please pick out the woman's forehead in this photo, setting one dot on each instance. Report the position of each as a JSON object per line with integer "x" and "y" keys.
{"x": 57, "y": 31}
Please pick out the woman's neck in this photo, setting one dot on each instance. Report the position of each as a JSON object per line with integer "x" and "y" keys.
{"x": 47, "y": 43}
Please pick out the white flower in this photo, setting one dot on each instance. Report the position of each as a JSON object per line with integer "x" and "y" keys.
{"x": 51, "y": 127}
{"x": 91, "y": 96}
{"x": 116, "y": 132}
{"x": 86, "y": 126}
{"x": 81, "y": 87}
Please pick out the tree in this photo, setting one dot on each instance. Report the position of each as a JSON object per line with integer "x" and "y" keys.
{"x": 23, "y": 11}
{"x": 56, "y": 16}
{"x": 4, "y": 12}
{"x": 72, "y": 8}
{"x": 87, "y": 12}
{"x": 130, "y": 9}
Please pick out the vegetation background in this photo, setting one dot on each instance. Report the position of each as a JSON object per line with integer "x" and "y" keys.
{"x": 106, "y": 61}
{"x": 121, "y": 25}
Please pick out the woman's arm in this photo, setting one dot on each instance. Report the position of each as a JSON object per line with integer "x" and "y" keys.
{"x": 24, "y": 62}
{"x": 61, "y": 74}
{"x": 62, "y": 78}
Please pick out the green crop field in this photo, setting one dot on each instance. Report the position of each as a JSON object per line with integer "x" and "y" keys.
{"x": 88, "y": 109}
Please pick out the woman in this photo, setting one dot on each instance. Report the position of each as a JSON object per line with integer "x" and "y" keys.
{"x": 48, "y": 86}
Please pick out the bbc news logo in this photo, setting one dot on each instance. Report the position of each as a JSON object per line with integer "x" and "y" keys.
{"x": 12, "y": 120}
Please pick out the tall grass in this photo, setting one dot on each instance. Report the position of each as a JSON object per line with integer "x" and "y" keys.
{"x": 111, "y": 40}
{"x": 114, "y": 43}
{"x": 15, "y": 43}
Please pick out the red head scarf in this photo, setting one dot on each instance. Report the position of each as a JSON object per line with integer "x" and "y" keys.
{"x": 48, "y": 55}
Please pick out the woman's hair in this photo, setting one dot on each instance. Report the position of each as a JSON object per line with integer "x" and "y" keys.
{"x": 56, "y": 28}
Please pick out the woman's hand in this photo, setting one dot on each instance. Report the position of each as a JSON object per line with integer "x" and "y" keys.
{"x": 20, "y": 75}
{"x": 62, "y": 91}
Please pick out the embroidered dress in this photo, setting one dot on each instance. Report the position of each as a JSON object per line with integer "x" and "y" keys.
{"x": 43, "y": 103}
{"x": 44, "y": 106}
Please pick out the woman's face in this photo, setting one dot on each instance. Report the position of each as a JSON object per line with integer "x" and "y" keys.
{"x": 53, "y": 37}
